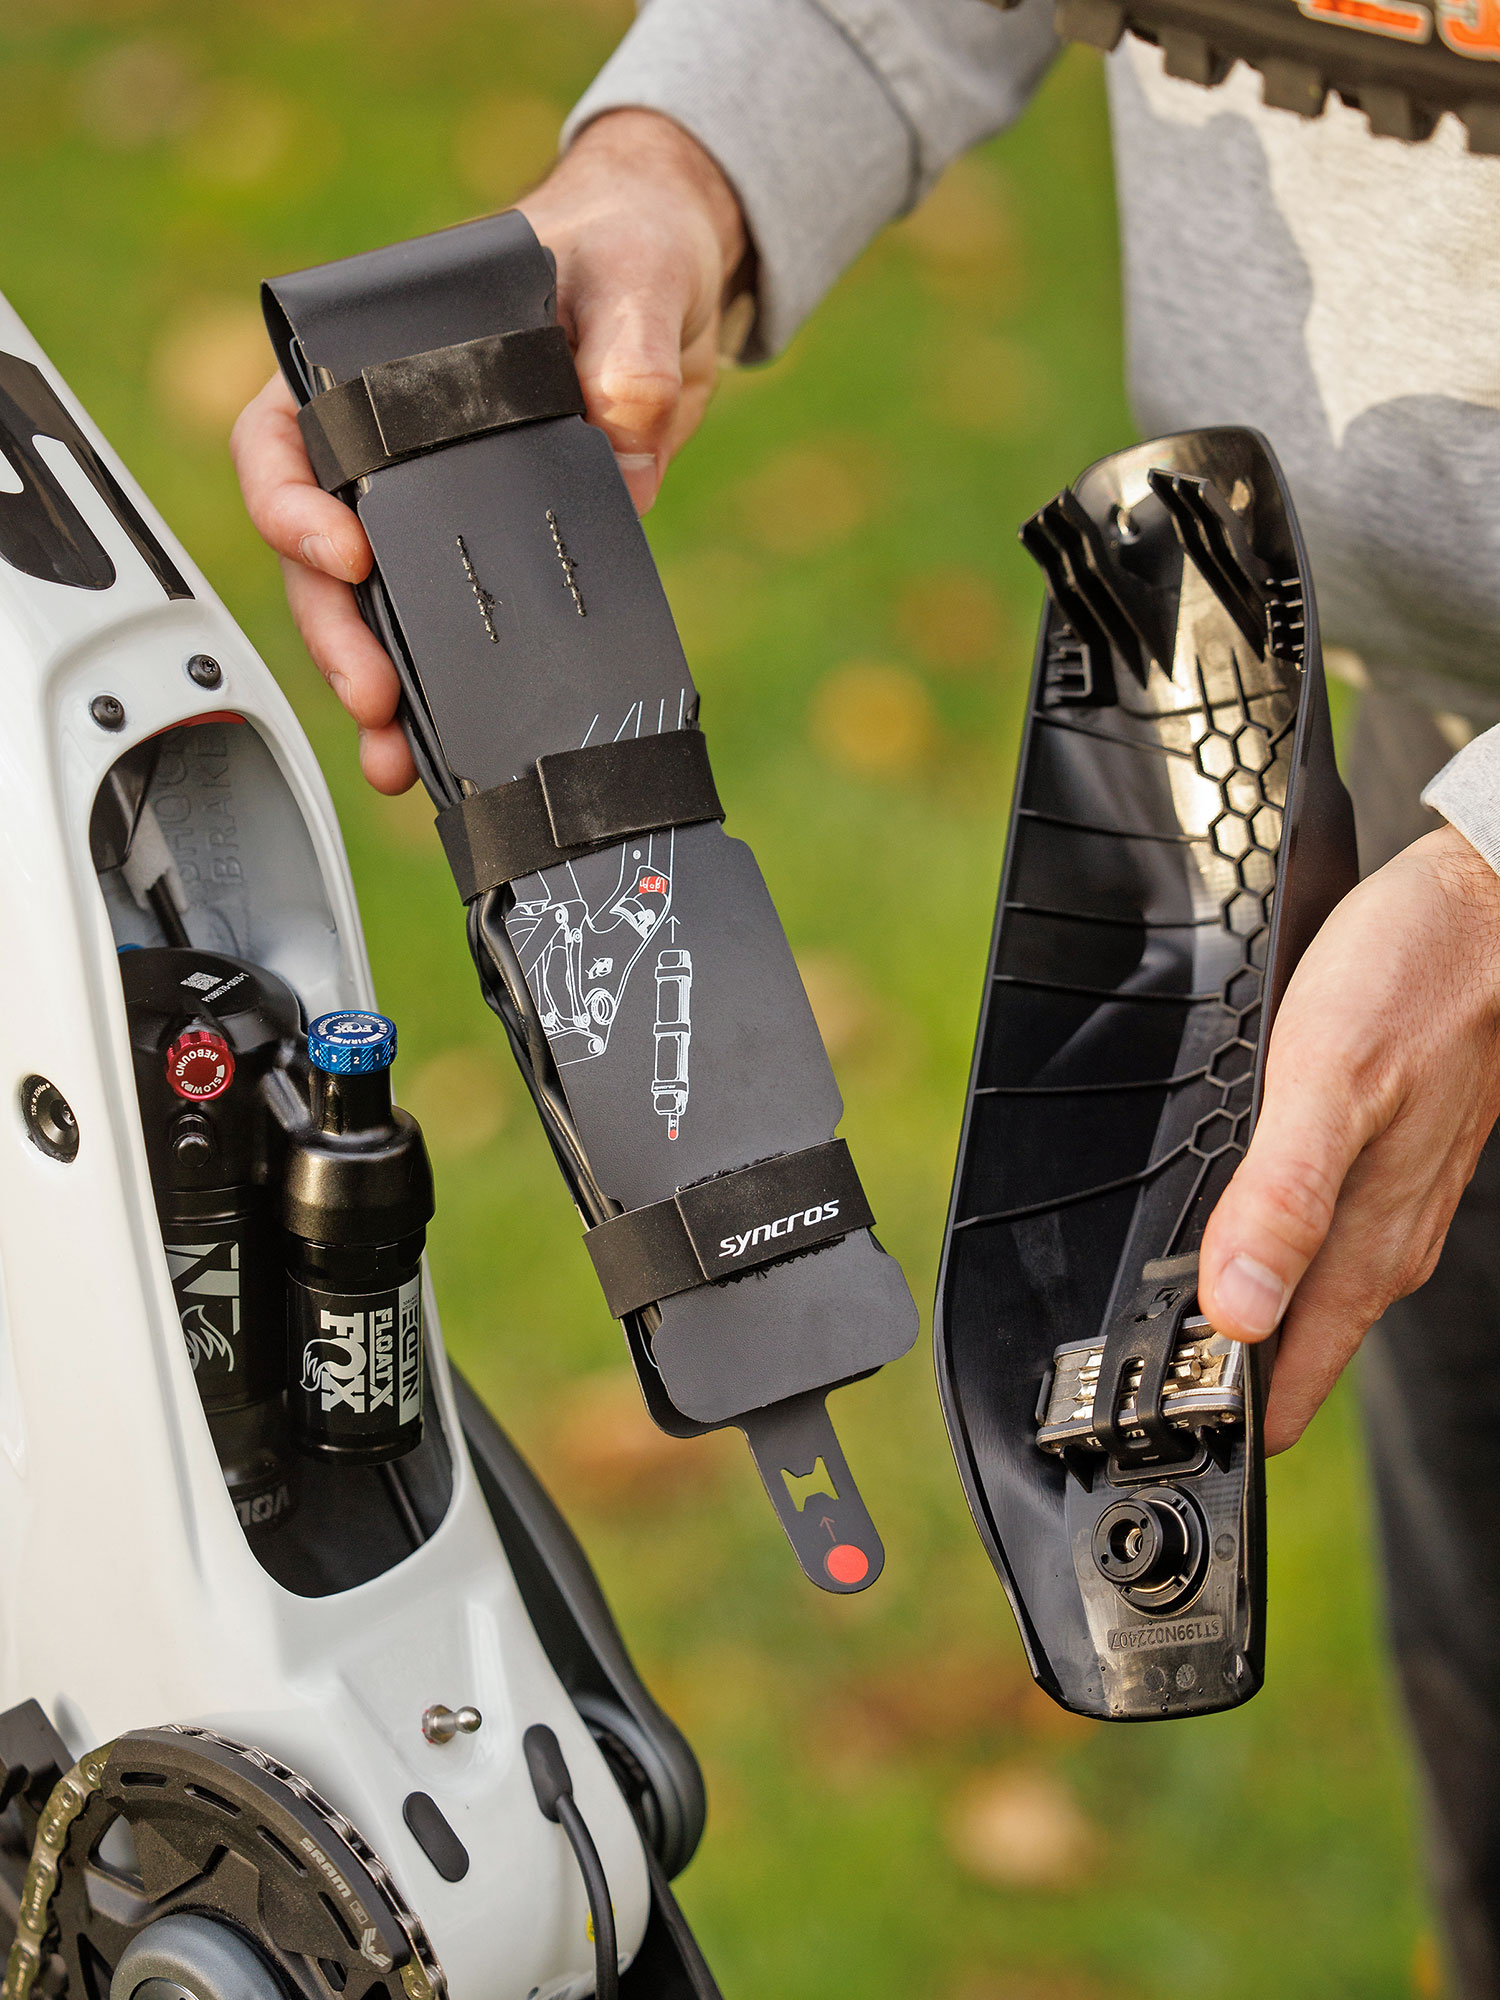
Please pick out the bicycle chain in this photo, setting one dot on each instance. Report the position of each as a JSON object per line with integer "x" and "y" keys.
{"x": 69, "y": 1796}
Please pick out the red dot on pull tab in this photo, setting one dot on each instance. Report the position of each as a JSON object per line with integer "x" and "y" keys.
{"x": 200, "y": 1064}
{"x": 847, "y": 1564}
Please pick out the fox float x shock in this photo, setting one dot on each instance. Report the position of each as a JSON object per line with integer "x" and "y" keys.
{"x": 1179, "y": 832}
{"x": 629, "y": 948}
{"x": 357, "y": 1203}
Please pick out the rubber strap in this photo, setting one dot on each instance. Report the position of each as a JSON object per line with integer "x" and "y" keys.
{"x": 716, "y": 1229}
{"x": 1144, "y": 1330}
{"x": 575, "y": 802}
{"x": 396, "y": 410}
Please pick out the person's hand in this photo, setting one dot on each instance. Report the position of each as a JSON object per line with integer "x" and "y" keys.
{"x": 648, "y": 237}
{"x": 1382, "y": 1084}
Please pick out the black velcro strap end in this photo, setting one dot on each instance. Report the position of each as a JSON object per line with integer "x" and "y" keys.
{"x": 341, "y": 435}
{"x": 643, "y": 1256}
{"x": 400, "y": 409}
{"x": 576, "y": 802}
{"x": 736, "y": 1222}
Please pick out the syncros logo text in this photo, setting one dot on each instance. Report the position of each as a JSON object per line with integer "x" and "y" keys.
{"x": 1468, "y": 27}
{"x": 768, "y": 1232}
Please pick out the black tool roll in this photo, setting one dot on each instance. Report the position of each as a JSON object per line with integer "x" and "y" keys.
{"x": 627, "y": 944}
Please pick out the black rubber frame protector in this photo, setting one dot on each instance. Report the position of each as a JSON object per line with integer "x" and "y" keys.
{"x": 1178, "y": 833}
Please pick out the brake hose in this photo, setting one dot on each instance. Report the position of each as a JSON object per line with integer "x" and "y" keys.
{"x": 552, "y": 1782}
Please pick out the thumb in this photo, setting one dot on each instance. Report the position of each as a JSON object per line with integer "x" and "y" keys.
{"x": 1273, "y": 1218}
{"x": 629, "y": 361}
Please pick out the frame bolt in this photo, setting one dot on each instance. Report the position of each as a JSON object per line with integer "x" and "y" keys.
{"x": 49, "y": 1119}
{"x": 108, "y": 711}
{"x": 441, "y": 1724}
{"x": 203, "y": 669}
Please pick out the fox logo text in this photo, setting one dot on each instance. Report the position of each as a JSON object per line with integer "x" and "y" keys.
{"x": 364, "y": 1357}
{"x": 205, "y": 1341}
{"x": 768, "y": 1232}
{"x": 334, "y": 1367}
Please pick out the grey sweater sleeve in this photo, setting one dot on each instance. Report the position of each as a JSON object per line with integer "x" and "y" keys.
{"x": 1467, "y": 793}
{"x": 828, "y": 117}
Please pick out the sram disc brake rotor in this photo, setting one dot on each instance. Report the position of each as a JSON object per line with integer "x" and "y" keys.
{"x": 176, "y": 1821}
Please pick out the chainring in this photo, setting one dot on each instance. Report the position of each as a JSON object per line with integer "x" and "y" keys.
{"x": 227, "y": 1832}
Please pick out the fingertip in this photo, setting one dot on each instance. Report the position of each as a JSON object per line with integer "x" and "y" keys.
{"x": 302, "y": 523}
{"x": 1282, "y": 1429}
{"x": 385, "y": 759}
{"x": 630, "y": 372}
{"x": 1266, "y": 1229}
{"x": 641, "y": 471}
{"x": 350, "y": 563}
{"x": 272, "y": 403}
{"x": 1245, "y": 1298}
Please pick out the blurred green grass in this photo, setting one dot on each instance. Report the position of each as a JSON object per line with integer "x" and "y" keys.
{"x": 895, "y": 1814}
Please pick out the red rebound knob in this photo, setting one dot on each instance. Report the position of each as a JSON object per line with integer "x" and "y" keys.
{"x": 199, "y": 1064}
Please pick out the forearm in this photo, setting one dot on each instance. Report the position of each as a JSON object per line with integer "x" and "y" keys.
{"x": 826, "y": 118}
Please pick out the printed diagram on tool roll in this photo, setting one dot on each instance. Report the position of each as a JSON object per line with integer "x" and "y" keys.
{"x": 673, "y": 1032}
{"x": 579, "y": 948}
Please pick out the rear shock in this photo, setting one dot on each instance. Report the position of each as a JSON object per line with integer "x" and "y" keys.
{"x": 357, "y": 1198}
{"x": 207, "y": 1031}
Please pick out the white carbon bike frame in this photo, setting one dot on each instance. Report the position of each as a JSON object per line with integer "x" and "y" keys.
{"x": 128, "y": 1594}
